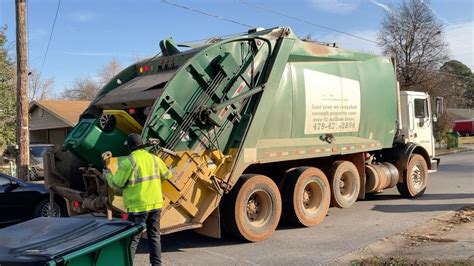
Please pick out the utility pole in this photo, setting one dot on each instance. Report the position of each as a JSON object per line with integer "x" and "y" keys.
{"x": 22, "y": 135}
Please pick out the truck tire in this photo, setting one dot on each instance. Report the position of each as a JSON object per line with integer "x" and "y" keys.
{"x": 345, "y": 184}
{"x": 416, "y": 179}
{"x": 252, "y": 209}
{"x": 306, "y": 196}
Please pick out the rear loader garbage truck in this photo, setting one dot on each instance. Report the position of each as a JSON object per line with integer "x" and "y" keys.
{"x": 254, "y": 128}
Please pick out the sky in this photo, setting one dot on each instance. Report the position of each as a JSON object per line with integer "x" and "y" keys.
{"x": 88, "y": 34}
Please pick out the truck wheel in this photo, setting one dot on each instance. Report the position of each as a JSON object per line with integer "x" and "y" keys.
{"x": 252, "y": 209}
{"x": 306, "y": 196}
{"x": 416, "y": 179}
{"x": 345, "y": 184}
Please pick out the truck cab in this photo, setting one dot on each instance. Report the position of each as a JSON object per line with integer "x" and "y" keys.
{"x": 417, "y": 120}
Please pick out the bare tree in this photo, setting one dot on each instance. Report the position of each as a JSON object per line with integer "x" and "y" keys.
{"x": 411, "y": 34}
{"x": 40, "y": 89}
{"x": 87, "y": 88}
{"x": 82, "y": 89}
{"x": 109, "y": 71}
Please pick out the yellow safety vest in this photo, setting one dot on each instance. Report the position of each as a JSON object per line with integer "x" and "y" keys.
{"x": 139, "y": 175}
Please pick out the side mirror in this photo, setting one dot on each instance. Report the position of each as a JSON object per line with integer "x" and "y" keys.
{"x": 439, "y": 106}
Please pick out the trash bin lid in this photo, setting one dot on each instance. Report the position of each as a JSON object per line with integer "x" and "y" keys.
{"x": 43, "y": 239}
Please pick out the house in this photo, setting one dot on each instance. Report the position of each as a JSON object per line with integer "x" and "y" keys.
{"x": 51, "y": 120}
{"x": 462, "y": 114}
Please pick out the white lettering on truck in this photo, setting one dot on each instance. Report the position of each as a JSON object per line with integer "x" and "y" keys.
{"x": 332, "y": 103}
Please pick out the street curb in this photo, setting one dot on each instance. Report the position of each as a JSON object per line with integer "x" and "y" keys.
{"x": 459, "y": 150}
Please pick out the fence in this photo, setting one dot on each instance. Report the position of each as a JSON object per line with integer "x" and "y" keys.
{"x": 8, "y": 169}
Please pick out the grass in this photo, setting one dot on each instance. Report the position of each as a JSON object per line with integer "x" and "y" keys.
{"x": 401, "y": 261}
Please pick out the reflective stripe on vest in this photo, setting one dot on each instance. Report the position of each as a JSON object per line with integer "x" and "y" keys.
{"x": 138, "y": 179}
{"x": 134, "y": 168}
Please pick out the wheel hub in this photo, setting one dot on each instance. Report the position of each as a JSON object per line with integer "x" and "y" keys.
{"x": 258, "y": 208}
{"x": 417, "y": 176}
{"x": 342, "y": 185}
{"x": 311, "y": 197}
{"x": 307, "y": 197}
{"x": 252, "y": 208}
{"x": 347, "y": 185}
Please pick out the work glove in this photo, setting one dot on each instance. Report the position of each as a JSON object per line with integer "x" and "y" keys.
{"x": 106, "y": 158}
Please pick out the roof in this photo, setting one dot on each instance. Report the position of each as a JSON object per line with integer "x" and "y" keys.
{"x": 462, "y": 114}
{"x": 67, "y": 111}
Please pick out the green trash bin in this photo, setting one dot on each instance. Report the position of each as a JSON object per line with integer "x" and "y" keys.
{"x": 68, "y": 241}
{"x": 88, "y": 141}
{"x": 452, "y": 140}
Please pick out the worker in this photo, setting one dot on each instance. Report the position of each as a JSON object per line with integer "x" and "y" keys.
{"x": 139, "y": 176}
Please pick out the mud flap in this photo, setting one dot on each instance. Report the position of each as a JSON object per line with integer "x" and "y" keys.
{"x": 434, "y": 165}
{"x": 211, "y": 226}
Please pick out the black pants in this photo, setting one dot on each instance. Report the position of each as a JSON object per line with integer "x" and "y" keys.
{"x": 152, "y": 221}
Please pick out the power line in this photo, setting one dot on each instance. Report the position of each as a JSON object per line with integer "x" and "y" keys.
{"x": 307, "y": 22}
{"x": 12, "y": 44}
{"x": 195, "y": 41}
{"x": 295, "y": 18}
{"x": 342, "y": 32}
{"x": 49, "y": 41}
{"x": 207, "y": 14}
{"x": 217, "y": 36}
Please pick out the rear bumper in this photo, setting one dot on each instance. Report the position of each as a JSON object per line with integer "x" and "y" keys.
{"x": 434, "y": 164}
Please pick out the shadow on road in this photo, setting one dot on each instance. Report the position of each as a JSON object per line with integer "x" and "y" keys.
{"x": 444, "y": 196}
{"x": 404, "y": 208}
{"x": 188, "y": 239}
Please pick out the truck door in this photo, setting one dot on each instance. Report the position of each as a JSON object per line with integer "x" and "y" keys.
{"x": 421, "y": 126}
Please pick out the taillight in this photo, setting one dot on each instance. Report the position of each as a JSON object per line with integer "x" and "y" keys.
{"x": 124, "y": 216}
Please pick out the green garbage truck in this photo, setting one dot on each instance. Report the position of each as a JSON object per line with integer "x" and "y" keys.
{"x": 257, "y": 127}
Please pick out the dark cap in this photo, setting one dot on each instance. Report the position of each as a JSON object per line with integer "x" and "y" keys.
{"x": 134, "y": 142}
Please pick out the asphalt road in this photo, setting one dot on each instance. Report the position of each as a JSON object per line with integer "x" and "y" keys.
{"x": 343, "y": 231}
